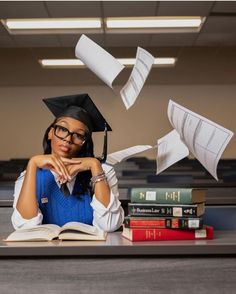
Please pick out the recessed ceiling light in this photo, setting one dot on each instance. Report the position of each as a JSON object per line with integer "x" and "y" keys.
{"x": 132, "y": 25}
{"x": 61, "y": 63}
{"x": 69, "y": 63}
{"x": 165, "y": 61}
{"x": 51, "y": 25}
{"x": 153, "y": 22}
{"x": 157, "y": 61}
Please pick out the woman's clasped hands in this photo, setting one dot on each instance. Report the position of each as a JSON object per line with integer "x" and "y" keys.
{"x": 66, "y": 168}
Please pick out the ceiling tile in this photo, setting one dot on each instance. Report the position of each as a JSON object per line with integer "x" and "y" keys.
{"x": 6, "y": 41}
{"x": 71, "y": 40}
{"x": 22, "y": 9}
{"x": 74, "y": 8}
{"x": 216, "y": 39}
{"x": 180, "y": 8}
{"x": 129, "y": 8}
{"x": 36, "y": 41}
{"x": 173, "y": 39}
{"x": 126, "y": 40}
{"x": 224, "y": 7}
{"x": 219, "y": 24}
{"x": 40, "y": 53}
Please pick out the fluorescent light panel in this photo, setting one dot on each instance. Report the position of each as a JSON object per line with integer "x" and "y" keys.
{"x": 61, "y": 63}
{"x": 153, "y": 22}
{"x": 157, "y": 61}
{"x": 56, "y": 23}
{"x": 111, "y": 23}
{"x": 161, "y": 61}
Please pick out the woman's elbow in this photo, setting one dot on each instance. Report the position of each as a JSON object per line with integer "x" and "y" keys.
{"x": 113, "y": 222}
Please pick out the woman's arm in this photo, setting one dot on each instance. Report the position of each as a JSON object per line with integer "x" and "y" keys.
{"x": 17, "y": 220}
{"x": 108, "y": 218}
{"x": 27, "y": 204}
{"x": 108, "y": 213}
{"x": 101, "y": 188}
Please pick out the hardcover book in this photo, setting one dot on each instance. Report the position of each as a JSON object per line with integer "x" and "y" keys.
{"x": 163, "y": 222}
{"x": 167, "y": 195}
{"x": 181, "y": 210}
{"x": 70, "y": 231}
{"x": 154, "y": 234}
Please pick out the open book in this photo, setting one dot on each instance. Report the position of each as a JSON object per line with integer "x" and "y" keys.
{"x": 70, "y": 231}
{"x": 193, "y": 133}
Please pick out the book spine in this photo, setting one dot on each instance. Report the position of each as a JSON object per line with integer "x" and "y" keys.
{"x": 161, "y": 195}
{"x": 169, "y": 234}
{"x": 135, "y": 209}
{"x": 172, "y": 223}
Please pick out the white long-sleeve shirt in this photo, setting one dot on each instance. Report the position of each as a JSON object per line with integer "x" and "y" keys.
{"x": 107, "y": 218}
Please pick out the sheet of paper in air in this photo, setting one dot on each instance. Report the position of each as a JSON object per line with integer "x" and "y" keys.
{"x": 98, "y": 60}
{"x": 205, "y": 139}
{"x": 170, "y": 149}
{"x": 139, "y": 74}
{"x": 121, "y": 155}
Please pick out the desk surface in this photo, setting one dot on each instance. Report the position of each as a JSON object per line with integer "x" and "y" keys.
{"x": 224, "y": 243}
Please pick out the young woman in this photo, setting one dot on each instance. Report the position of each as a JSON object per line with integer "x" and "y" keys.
{"x": 68, "y": 183}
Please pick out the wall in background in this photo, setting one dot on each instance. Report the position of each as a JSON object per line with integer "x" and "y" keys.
{"x": 24, "y": 117}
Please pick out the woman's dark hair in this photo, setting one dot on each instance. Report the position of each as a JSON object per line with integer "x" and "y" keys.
{"x": 87, "y": 150}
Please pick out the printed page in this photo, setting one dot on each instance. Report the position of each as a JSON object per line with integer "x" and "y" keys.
{"x": 170, "y": 149}
{"x": 41, "y": 232}
{"x": 205, "y": 139}
{"x": 98, "y": 60}
{"x": 118, "y": 156}
{"x": 139, "y": 74}
{"x": 80, "y": 227}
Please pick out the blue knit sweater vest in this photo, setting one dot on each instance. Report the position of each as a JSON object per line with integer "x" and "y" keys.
{"x": 56, "y": 207}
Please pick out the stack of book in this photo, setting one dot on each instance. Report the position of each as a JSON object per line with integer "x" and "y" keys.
{"x": 166, "y": 214}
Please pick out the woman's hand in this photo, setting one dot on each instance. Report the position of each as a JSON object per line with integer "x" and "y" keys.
{"x": 76, "y": 165}
{"x": 53, "y": 163}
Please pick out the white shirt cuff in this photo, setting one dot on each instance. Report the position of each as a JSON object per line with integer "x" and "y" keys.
{"x": 113, "y": 205}
{"x": 19, "y": 222}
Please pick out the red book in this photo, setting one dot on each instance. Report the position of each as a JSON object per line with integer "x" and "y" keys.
{"x": 165, "y": 222}
{"x": 155, "y": 234}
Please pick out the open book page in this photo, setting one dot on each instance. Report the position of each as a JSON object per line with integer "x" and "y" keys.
{"x": 85, "y": 228}
{"x": 139, "y": 74}
{"x": 70, "y": 231}
{"x": 118, "y": 156}
{"x": 98, "y": 60}
{"x": 170, "y": 150}
{"x": 205, "y": 139}
{"x": 77, "y": 235}
{"x": 37, "y": 233}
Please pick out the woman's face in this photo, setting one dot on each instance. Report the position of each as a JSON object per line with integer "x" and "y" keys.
{"x": 67, "y": 137}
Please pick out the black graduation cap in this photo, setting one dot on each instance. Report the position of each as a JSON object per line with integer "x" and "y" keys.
{"x": 80, "y": 107}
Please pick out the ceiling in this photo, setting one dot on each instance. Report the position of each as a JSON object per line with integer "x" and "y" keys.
{"x": 208, "y": 56}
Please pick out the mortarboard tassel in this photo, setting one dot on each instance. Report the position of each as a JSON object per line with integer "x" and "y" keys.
{"x": 103, "y": 158}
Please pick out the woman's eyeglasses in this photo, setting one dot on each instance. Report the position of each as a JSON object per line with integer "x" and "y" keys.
{"x": 62, "y": 133}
